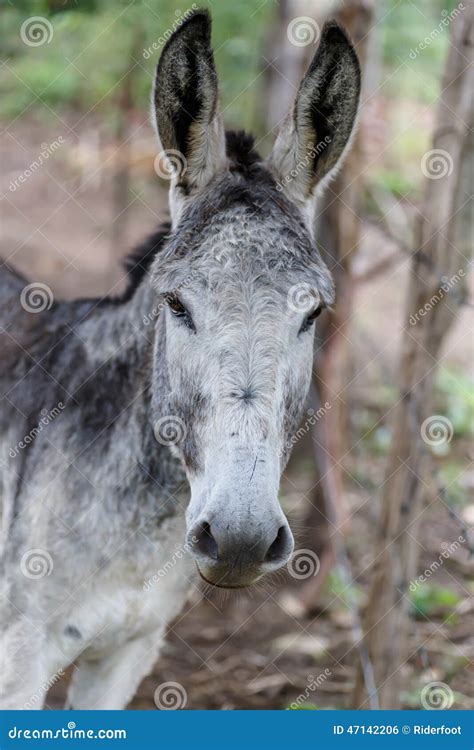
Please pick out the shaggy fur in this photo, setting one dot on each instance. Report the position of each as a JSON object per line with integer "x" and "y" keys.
{"x": 143, "y": 437}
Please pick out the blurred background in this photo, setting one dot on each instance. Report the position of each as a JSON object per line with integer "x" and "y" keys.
{"x": 81, "y": 186}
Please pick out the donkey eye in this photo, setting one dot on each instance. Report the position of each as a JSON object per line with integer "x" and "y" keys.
{"x": 308, "y": 322}
{"x": 175, "y": 305}
{"x": 178, "y": 310}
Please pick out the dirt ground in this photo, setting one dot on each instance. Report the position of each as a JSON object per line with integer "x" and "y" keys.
{"x": 252, "y": 650}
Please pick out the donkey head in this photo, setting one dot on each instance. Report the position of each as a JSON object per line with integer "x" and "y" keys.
{"x": 243, "y": 283}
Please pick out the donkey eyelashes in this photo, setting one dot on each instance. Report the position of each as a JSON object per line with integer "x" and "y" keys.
{"x": 179, "y": 311}
{"x": 309, "y": 320}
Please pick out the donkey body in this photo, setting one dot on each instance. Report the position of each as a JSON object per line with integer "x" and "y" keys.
{"x": 173, "y": 404}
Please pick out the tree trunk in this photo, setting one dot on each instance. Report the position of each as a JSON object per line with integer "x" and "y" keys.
{"x": 442, "y": 240}
{"x": 121, "y": 174}
{"x": 286, "y": 62}
{"x": 337, "y": 234}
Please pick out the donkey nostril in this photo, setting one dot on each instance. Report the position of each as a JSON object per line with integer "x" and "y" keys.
{"x": 205, "y": 542}
{"x": 279, "y": 547}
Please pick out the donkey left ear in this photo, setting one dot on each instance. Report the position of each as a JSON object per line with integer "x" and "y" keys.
{"x": 317, "y": 130}
{"x": 185, "y": 100}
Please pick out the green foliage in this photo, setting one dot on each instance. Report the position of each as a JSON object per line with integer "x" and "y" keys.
{"x": 406, "y": 26}
{"x": 429, "y": 600}
{"x": 375, "y": 435}
{"x": 395, "y": 181}
{"x": 455, "y": 495}
{"x": 95, "y": 43}
{"x": 456, "y": 393}
{"x": 349, "y": 596}
{"x": 304, "y": 707}
{"x": 414, "y": 38}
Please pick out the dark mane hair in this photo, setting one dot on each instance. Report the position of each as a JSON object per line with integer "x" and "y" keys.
{"x": 138, "y": 262}
{"x": 241, "y": 152}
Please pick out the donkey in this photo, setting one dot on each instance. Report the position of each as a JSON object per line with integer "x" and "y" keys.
{"x": 169, "y": 409}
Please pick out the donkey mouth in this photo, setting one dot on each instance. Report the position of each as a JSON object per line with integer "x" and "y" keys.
{"x": 222, "y": 583}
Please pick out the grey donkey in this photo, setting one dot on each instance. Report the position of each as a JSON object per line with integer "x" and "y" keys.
{"x": 143, "y": 437}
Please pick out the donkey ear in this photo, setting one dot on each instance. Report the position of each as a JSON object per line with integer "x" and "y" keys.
{"x": 317, "y": 130}
{"x": 185, "y": 98}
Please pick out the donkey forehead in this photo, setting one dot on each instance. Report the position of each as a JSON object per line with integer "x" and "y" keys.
{"x": 239, "y": 252}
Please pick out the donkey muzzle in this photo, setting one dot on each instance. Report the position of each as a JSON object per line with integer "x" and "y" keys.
{"x": 236, "y": 553}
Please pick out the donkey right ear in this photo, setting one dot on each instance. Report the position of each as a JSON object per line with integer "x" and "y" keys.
{"x": 317, "y": 131}
{"x": 185, "y": 99}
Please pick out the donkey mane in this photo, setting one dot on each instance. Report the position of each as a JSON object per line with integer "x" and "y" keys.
{"x": 137, "y": 263}
{"x": 240, "y": 150}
